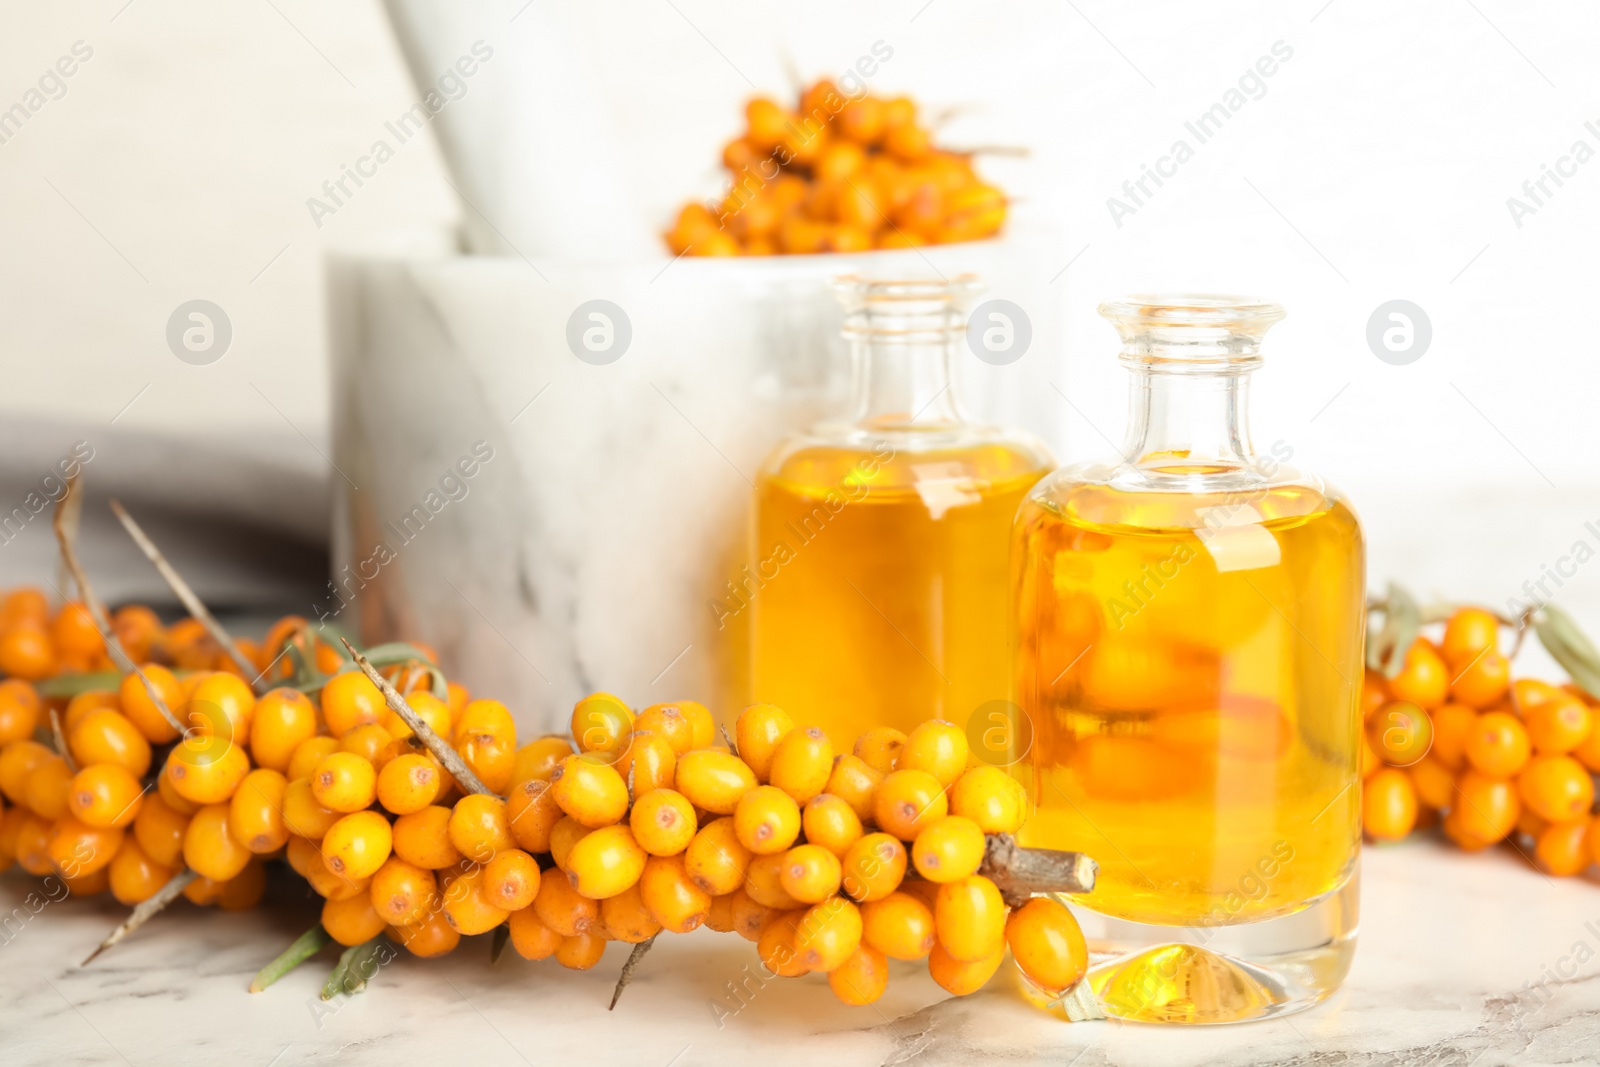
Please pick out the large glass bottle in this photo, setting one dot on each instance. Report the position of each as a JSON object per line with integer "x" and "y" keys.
{"x": 1188, "y": 652}
{"x": 881, "y": 540}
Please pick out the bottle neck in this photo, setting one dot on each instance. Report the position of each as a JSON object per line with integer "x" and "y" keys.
{"x": 1182, "y": 422}
{"x": 905, "y": 385}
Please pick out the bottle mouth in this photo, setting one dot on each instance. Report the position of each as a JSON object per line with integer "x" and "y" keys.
{"x": 906, "y": 310}
{"x": 1201, "y": 330}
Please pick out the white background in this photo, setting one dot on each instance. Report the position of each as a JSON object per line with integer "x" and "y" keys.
{"x": 1376, "y": 166}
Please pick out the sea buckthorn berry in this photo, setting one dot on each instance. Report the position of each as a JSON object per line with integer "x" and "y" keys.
{"x": 256, "y": 811}
{"x": 332, "y": 886}
{"x": 79, "y": 707}
{"x": 969, "y": 918}
{"x": 538, "y": 759}
{"x": 949, "y": 850}
{"x": 938, "y": 747}
{"x": 713, "y": 781}
{"x": 423, "y": 838}
{"x": 605, "y": 862}
{"x": 18, "y": 761}
{"x": 480, "y": 827}
{"x": 601, "y": 723}
{"x": 309, "y": 753}
{"x": 1400, "y": 732}
{"x": 206, "y": 770}
{"x": 159, "y": 831}
{"x": 209, "y": 846}
{"x": 282, "y": 719}
{"x": 19, "y": 711}
{"x": 1498, "y": 744}
{"x": 1557, "y": 788}
{"x": 302, "y": 814}
{"x": 900, "y": 926}
{"x": 909, "y": 801}
{"x": 700, "y": 717}
{"x": 1480, "y": 681}
{"x": 349, "y": 700}
{"x": 671, "y": 895}
{"x": 1469, "y": 632}
{"x": 10, "y": 825}
{"x": 357, "y": 845}
{"x": 351, "y": 922}
{"x": 107, "y": 736}
{"x": 563, "y": 909}
{"x": 429, "y": 708}
{"x": 802, "y": 763}
{"x": 763, "y": 880}
{"x": 1587, "y": 751}
{"x": 880, "y": 748}
{"x": 433, "y": 936}
{"x": 532, "y": 939}
{"x": 590, "y": 791}
{"x": 668, "y": 722}
{"x": 649, "y": 762}
{"x": 855, "y": 783}
{"x": 862, "y": 978}
{"x": 302, "y": 853}
{"x": 77, "y": 850}
{"x": 1529, "y": 822}
{"x": 1389, "y": 805}
{"x": 1047, "y": 944}
{"x": 663, "y": 822}
{"x": 830, "y": 822}
{"x": 873, "y": 867}
{"x": 135, "y": 877}
{"x": 402, "y": 893}
{"x": 491, "y": 757}
{"x": 581, "y": 952}
{"x": 467, "y": 906}
{"x": 828, "y": 934}
{"x": 531, "y": 813}
{"x": 484, "y": 717}
{"x": 625, "y": 917}
{"x": 810, "y": 873}
{"x": 1527, "y": 693}
{"x": 748, "y": 916}
{"x": 33, "y": 845}
{"x": 408, "y": 783}
{"x": 344, "y": 782}
{"x": 1485, "y": 808}
{"x": 75, "y": 634}
{"x": 1562, "y": 849}
{"x": 49, "y": 788}
{"x": 757, "y": 732}
{"x": 26, "y": 652}
{"x": 991, "y": 798}
{"x": 1435, "y": 785}
{"x": 715, "y": 859}
{"x": 767, "y": 820}
{"x": 1452, "y": 725}
{"x": 369, "y": 741}
{"x": 566, "y": 833}
{"x": 961, "y": 977}
{"x": 1556, "y": 727}
{"x": 776, "y": 945}
{"x": 220, "y": 697}
{"x": 720, "y": 917}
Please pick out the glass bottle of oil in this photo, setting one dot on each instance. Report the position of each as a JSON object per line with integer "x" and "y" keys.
{"x": 1189, "y": 622}
{"x": 881, "y": 540}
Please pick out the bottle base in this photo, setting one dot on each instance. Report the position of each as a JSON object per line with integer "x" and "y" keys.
{"x": 1143, "y": 972}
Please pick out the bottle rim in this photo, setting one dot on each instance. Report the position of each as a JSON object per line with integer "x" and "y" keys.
{"x": 1208, "y": 310}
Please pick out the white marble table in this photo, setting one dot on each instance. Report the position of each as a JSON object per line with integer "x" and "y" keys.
{"x": 1463, "y": 960}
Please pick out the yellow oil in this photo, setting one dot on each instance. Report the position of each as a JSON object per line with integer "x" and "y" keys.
{"x": 1190, "y": 664}
{"x": 883, "y": 582}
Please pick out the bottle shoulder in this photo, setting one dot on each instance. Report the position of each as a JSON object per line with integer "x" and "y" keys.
{"x": 833, "y": 453}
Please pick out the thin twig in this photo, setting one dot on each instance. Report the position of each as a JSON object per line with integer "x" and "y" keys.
{"x": 1020, "y": 872}
{"x": 67, "y": 539}
{"x": 147, "y": 910}
{"x": 185, "y": 592}
{"x": 634, "y": 959}
{"x": 728, "y": 739}
{"x": 304, "y": 947}
{"x": 60, "y": 736}
{"x": 447, "y": 756}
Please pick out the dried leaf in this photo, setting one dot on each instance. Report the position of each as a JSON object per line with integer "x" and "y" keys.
{"x": 1402, "y": 621}
{"x": 1569, "y": 646}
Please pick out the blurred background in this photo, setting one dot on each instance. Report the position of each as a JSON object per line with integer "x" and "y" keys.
{"x": 176, "y": 162}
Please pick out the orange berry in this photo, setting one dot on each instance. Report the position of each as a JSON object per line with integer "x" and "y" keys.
{"x": 479, "y": 827}
{"x": 206, "y": 770}
{"x": 1498, "y": 744}
{"x": 1389, "y": 805}
{"x": 256, "y": 811}
{"x": 210, "y": 847}
{"x": 18, "y": 761}
{"x": 353, "y": 921}
{"x": 303, "y": 816}
{"x": 948, "y": 850}
{"x": 969, "y": 918}
{"x": 402, "y": 893}
{"x": 802, "y": 763}
{"x": 1435, "y": 785}
{"x": 757, "y": 732}
{"x": 32, "y": 844}
{"x": 19, "y": 711}
{"x": 49, "y": 788}
{"x": 563, "y": 836}
{"x": 429, "y": 708}
{"x": 873, "y": 867}
{"x": 763, "y": 880}
{"x": 1556, "y": 788}
{"x": 433, "y": 936}
{"x": 307, "y": 754}
{"x": 350, "y": 700}
{"x": 719, "y": 918}
{"x": 828, "y": 934}
{"x": 590, "y": 791}
{"x": 908, "y": 801}
{"x": 357, "y": 845}
{"x": 1374, "y": 692}
{"x": 991, "y": 798}
{"x": 105, "y": 795}
{"x": 1453, "y": 724}
{"x": 625, "y": 917}
{"x": 581, "y": 952}
{"x": 900, "y": 926}
{"x": 1485, "y": 809}
{"x": 159, "y": 831}
{"x": 671, "y": 895}
{"x": 862, "y": 978}
{"x": 776, "y": 945}
{"x": 282, "y": 719}
{"x": 748, "y": 916}
{"x": 510, "y": 880}
{"x": 221, "y": 705}
{"x": 79, "y": 707}
{"x": 667, "y": 721}
{"x": 830, "y": 822}
{"x": 1424, "y": 679}
{"x": 408, "y": 783}
{"x": 601, "y": 723}
{"x": 713, "y": 781}
{"x": 767, "y": 820}
{"x": 1469, "y": 632}
{"x": 663, "y": 822}
{"x": 1562, "y": 849}
{"x": 135, "y": 877}
{"x": 27, "y": 653}
{"x": 605, "y": 862}
{"x": 1400, "y": 732}
{"x": 1527, "y": 693}
{"x": 532, "y": 939}
{"x": 538, "y": 759}
{"x": 716, "y": 860}
{"x": 1047, "y": 944}
{"x": 563, "y": 909}
{"x": 491, "y": 757}
{"x": 77, "y": 850}
{"x": 106, "y": 736}
{"x": 963, "y": 977}
{"x": 1556, "y": 727}
{"x": 532, "y": 813}
{"x": 423, "y": 838}
{"x": 938, "y": 747}
{"x": 855, "y": 783}
{"x": 483, "y": 717}
{"x": 1481, "y": 681}
{"x": 649, "y": 762}
{"x": 810, "y": 873}
{"x": 369, "y": 741}
{"x": 344, "y": 782}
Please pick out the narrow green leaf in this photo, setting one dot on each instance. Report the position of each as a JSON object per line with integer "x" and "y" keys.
{"x": 305, "y": 946}
{"x": 357, "y": 966}
{"x": 398, "y": 652}
{"x": 1569, "y": 646}
{"x": 70, "y": 685}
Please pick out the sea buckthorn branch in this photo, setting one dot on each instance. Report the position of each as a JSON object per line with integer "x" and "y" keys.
{"x": 303, "y": 948}
{"x": 59, "y": 736}
{"x": 1019, "y": 872}
{"x": 442, "y": 751}
{"x": 66, "y": 537}
{"x": 635, "y": 958}
{"x": 186, "y": 594}
{"x": 144, "y": 912}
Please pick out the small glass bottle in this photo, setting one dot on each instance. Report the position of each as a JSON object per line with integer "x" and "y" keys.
{"x": 881, "y": 540}
{"x": 1189, "y": 625}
